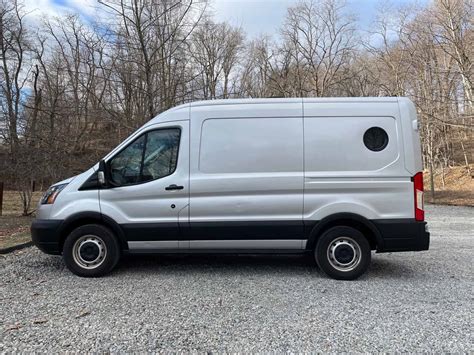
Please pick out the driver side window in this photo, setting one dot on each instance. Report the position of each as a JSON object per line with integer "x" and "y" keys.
{"x": 151, "y": 156}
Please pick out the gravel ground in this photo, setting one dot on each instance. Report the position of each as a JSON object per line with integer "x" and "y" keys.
{"x": 406, "y": 302}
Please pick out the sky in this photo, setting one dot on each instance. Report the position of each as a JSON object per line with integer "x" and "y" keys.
{"x": 266, "y": 16}
{"x": 40, "y": 9}
{"x": 254, "y": 16}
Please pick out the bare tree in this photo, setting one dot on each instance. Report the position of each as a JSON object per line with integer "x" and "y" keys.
{"x": 14, "y": 67}
{"x": 215, "y": 49}
{"x": 150, "y": 36}
{"x": 323, "y": 39}
{"x": 452, "y": 29}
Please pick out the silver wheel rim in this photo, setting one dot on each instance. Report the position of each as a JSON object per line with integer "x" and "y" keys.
{"x": 344, "y": 254}
{"x": 89, "y": 251}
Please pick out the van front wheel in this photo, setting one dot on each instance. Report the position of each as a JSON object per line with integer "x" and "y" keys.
{"x": 343, "y": 253}
{"x": 91, "y": 251}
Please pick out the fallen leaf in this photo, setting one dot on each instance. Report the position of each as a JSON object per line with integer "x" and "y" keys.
{"x": 83, "y": 314}
{"x": 39, "y": 321}
{"x": 13, "y": 327}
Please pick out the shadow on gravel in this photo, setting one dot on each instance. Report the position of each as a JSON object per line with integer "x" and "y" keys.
{"x": 285, "y": 265}
{"x": 237, "y": 264}
{"x": 214, "y": 263}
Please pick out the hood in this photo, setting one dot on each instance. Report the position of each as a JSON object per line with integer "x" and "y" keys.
{"x": 65, "y": 181}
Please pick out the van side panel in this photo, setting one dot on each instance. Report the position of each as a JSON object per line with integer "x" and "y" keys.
{"x": 246, "y": 178}
{"x": 251, "y": 145}
{"x": 335, "y": 145}
{"x": 342, "y": 174}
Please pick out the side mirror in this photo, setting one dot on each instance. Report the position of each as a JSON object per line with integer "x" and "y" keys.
{"x": 101, "y": 174}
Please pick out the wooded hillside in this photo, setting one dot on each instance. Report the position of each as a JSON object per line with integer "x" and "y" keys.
{"x": 71, "y": 89}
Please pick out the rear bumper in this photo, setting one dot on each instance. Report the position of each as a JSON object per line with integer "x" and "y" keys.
{"x": 402, "y": 235}
{"x": 45, "y": 235}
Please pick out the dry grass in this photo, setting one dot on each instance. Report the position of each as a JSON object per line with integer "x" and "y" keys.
{"x": 15, "y": 239}
{"x": 12, "y": 203}
{"x": 14, "y": 228}
{"x": 458, "y": 188}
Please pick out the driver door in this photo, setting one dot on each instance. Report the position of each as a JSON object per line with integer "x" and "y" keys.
{"x": 150, "y": 186}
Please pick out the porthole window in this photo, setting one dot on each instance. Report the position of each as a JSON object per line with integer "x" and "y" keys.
{"x": 375, "y": 139}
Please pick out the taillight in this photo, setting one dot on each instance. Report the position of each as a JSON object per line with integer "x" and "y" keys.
{"x": 418, "y": 187}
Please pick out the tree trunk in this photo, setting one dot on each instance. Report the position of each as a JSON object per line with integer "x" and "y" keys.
{"x": 432, "y": 187}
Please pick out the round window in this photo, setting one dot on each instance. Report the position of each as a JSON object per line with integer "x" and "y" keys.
{"x": 375, "y": 139}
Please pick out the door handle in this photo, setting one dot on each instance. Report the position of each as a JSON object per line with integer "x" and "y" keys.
{"x": 174, "y": 187}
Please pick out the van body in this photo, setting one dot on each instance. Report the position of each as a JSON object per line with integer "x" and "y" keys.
{"x": 337, "y": 177}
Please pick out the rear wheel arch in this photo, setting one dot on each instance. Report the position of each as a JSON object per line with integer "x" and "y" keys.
{"x": 84, "y": 218}
{"x": 362, "y": 224}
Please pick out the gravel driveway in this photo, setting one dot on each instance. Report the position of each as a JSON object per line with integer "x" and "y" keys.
{"x": 406, "y": 302}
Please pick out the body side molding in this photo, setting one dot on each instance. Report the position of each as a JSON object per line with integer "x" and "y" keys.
{"x": 243, "y": 244}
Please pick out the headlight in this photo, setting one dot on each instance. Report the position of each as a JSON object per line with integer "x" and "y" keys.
{"x": 50, "y": 195}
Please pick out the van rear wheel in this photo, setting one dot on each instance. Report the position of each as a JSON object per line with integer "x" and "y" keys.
{"x": 343, "y": 253}
{"x": 91, "y": 251}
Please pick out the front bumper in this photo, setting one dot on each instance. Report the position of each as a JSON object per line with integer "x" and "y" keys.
{"x": 402, "y": 235}
{"x": 46, "y": 236}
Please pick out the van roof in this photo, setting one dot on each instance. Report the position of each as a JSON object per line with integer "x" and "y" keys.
{"x": 169, "y": 114}
{"x": 285, "y": 100}
{"x": 292, "y": 100}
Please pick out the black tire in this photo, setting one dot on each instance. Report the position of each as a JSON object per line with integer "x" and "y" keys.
{"x": 97, "y": 241}
{"x": 343, "y": 253}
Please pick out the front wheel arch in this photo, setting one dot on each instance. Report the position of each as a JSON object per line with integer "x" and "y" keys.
{"x": 83, "y": 218}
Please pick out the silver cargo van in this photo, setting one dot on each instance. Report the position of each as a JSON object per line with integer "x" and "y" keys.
{"x": 335, "y": 177}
